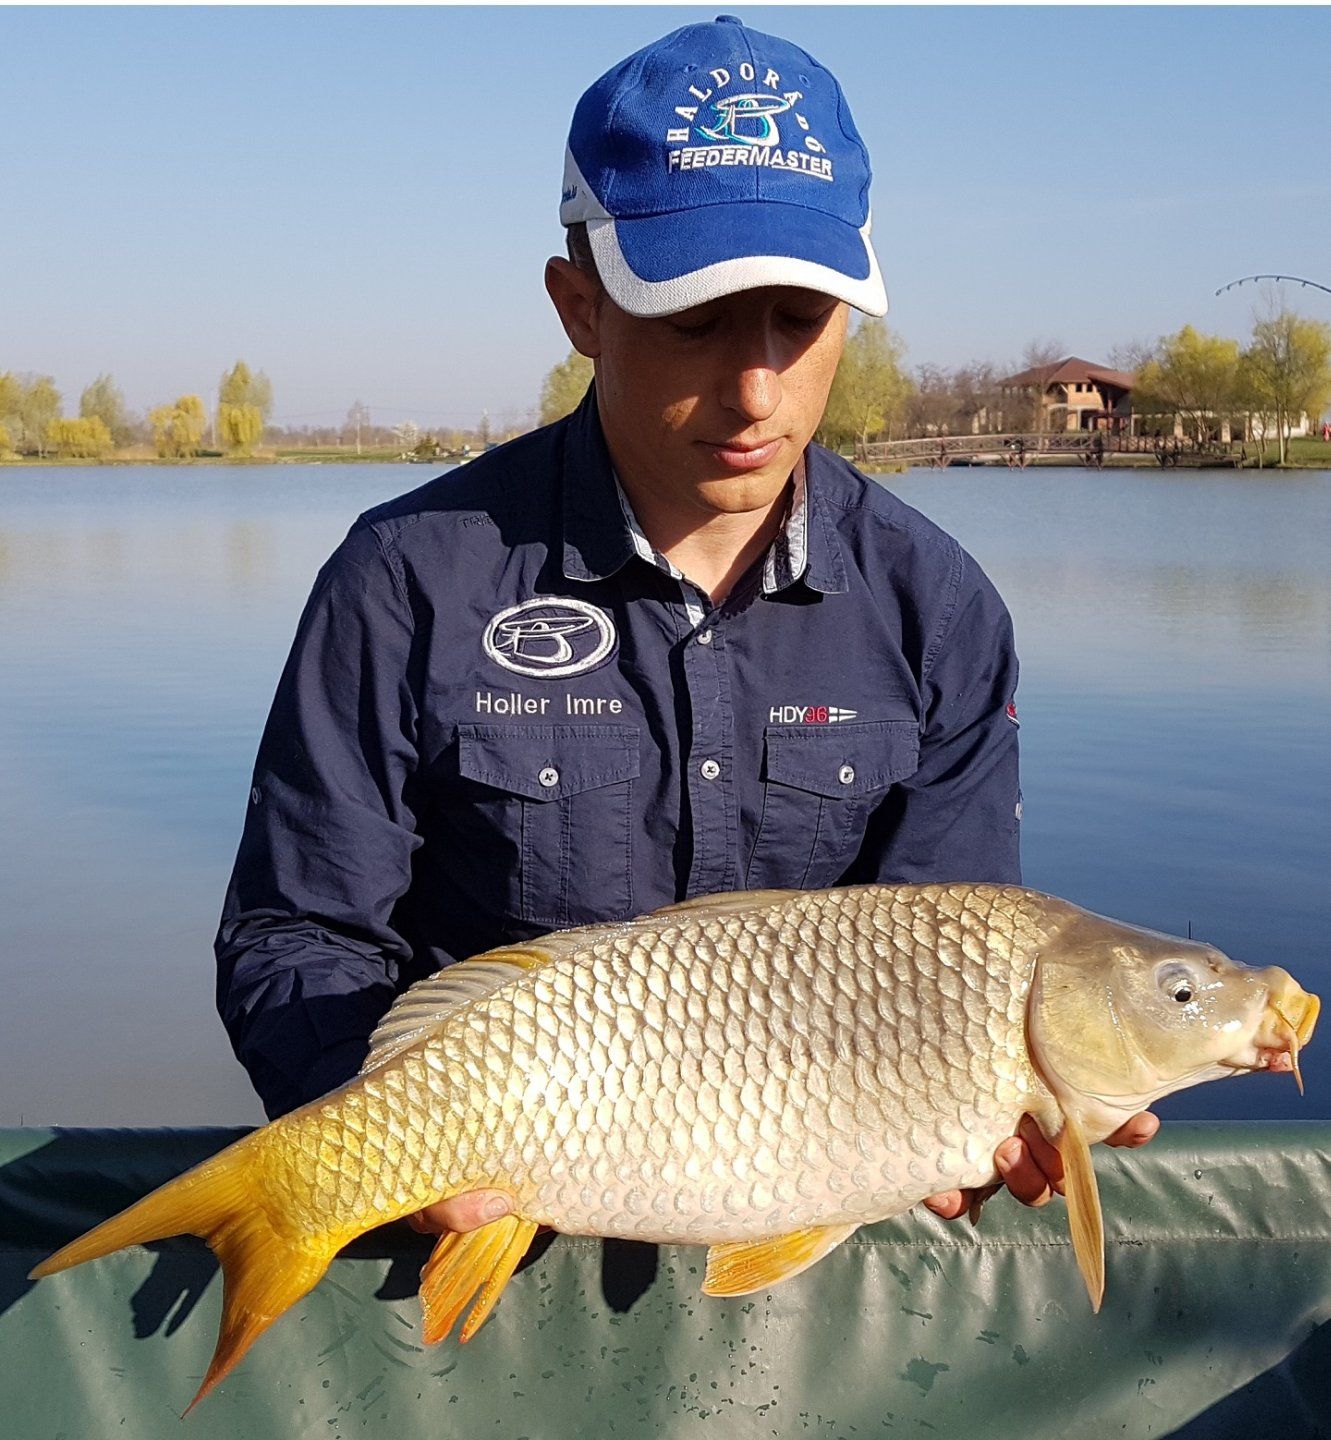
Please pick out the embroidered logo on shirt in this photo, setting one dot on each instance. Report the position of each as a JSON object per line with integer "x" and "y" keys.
{"x": 1011, "y": 713}
{"x": 809, "y": 714}
{"x": 549, "y": 637}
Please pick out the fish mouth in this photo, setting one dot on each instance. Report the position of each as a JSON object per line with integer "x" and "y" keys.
{"x": 1284, "y": 1027}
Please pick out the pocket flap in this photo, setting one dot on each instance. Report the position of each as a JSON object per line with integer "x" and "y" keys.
{"x": 548, "y": 762}
{"x": 842, "y": 760}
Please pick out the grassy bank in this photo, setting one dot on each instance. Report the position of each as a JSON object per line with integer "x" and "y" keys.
{"x": 263, "y": 457}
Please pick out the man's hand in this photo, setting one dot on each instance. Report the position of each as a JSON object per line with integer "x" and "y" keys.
{"x": 468, "y": 1211}
{"x": 1033, "y": 1169}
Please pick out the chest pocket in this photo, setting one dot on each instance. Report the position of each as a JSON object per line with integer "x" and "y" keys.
{"x": 820, "y": 784}
{"x": 546, "y": 820}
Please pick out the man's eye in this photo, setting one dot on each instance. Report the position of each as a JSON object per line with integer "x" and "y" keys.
{"x": 692, "y": 330}
{"x": 806, "y": 324}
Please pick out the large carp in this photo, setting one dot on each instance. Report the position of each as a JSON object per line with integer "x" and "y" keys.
{"x": 761, "y": 1073}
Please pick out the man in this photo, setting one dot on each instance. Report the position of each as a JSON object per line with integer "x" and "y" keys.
{"x": 663, "y": 648}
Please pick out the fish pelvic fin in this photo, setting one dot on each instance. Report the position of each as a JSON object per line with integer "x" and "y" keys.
{"x": 740, "y": 1267}
{"x": 265, "y": 1269}
{"x": 1085, "y": 1219}
{"x": 461, "y": 1265}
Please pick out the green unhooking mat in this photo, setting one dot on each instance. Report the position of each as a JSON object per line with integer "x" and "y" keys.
{"x": 1214, "y": 1323}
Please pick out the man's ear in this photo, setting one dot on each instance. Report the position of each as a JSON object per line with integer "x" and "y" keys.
{"x": 577, "y": 296}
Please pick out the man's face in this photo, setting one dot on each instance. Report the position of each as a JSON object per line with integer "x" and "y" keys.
{"x": 709, "y": 409}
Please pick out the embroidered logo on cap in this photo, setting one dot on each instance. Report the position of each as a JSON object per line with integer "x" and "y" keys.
{"x": 550, "y": 637}
{"x": 742, "y": 127}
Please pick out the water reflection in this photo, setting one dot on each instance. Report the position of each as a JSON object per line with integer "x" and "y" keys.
{"x": 1175, "y": 635}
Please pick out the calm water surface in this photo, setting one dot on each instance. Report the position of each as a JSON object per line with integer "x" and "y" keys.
{"x": 1175, "y": 637}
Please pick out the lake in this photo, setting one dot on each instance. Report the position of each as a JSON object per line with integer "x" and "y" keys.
{"x": 1175, "y": 637}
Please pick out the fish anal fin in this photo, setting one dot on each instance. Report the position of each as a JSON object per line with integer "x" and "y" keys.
{"x": 461, "y": 1265}
{"x": 1085, "y": 1219}
{"x": 739, "y": 1267}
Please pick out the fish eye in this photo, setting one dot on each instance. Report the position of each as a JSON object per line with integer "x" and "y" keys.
{"x": 1177, "y": 982}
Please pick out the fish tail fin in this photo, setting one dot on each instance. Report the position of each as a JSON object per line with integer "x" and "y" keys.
{"x": 462, "y": 1264}
{"x": 264, "y": 1270}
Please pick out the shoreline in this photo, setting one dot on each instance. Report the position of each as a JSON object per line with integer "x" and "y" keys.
{"x": 1125, "y": 462}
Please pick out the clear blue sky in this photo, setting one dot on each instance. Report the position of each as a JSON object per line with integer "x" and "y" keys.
{"x": 360, "y": 201}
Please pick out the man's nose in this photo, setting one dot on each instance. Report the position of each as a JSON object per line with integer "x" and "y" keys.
{"x": 755, "y": 391}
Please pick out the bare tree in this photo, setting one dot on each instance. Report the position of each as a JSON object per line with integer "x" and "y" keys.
{"x": 1133, "y": 356}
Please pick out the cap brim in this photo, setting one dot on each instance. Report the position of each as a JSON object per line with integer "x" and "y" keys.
{"x": 661, "y": 264}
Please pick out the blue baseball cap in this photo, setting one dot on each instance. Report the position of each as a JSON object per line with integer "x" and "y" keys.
{"x": 718, "y": 159}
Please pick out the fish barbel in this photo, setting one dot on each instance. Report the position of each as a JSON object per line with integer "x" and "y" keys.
{"x": 760, "y": 1072}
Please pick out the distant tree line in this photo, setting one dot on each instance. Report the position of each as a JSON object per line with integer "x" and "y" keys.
{"x": 1203, "y": 381}
{"x": 31, "y": 422}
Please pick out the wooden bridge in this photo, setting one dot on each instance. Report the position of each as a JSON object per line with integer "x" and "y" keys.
{"x": 1089, "y": 447}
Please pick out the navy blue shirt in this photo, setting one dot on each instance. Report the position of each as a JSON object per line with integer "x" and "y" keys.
{"x": 503, "y": 714}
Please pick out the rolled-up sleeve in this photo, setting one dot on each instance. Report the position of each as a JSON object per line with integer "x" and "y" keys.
{"x": 958, "y": 817}
{"x": 307, "y": 956}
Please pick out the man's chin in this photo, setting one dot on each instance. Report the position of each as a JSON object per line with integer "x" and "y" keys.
{"x": 743, "y": 494}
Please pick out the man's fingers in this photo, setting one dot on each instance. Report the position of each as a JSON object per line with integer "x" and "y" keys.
{"x": 951, "y": 1204}
{"x": 1029, "y": 1166}
{"x": 1136, "y": 1131}
{"x": 462, "y": 1212}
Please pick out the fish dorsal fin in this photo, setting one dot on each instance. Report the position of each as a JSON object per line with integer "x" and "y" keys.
{"x": 427, "y": 1002}
{"x": 705, "y": 907}
{"x": 462, "y": 1264}
{"x": 740, "y": 1267}
{"x": 1085, "y": 1219}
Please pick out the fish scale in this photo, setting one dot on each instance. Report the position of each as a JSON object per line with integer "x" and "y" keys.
{"x": 817, "y": 1061}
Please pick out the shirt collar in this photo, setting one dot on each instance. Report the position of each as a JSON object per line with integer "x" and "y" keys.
{"x": 601, "y": 532}
{"x": 596, "y": 539}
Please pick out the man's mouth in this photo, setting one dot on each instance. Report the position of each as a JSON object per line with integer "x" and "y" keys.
{"x": 744, "y": 454}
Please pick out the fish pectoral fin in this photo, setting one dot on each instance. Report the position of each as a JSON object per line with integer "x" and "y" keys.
{"x": 741, "y": 1266}
{"x": 460, "y": 1265}
{"x": 979, "y": 1198}
{"x": 1085, "y": 1218}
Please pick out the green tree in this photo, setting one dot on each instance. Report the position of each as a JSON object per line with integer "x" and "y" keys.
{"x": 1195, "y": 378}
{"x": 86, "y": 438}
{"x": 1287, "y": 370}
{"x": 870, "y": 391}
{"x": 10, "y": 392}
{"x": 244, "y": 404}
{"x": 103, "y": 400}
{"x": 178, "y": 429}
{"x": 6, "y": 440}
{"x": 564, "y": 386}
{"x": 38, "y": 405}
{"x": 239, "y": 428}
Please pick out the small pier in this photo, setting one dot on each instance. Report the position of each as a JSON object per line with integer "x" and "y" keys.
{"x": 1093, "y": 448}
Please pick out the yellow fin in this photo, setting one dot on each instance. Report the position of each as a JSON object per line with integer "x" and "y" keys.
{"x": 264, "y": 1271}
{"x": 1085, "y": 1219}
{"x": 460, "y": 1265}
{"x": 742, "y": 1266}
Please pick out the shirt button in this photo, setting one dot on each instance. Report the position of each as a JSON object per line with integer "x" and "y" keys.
{"x": 709, "y": 769}
{"x": 705, "y": 638}
{"x": 846, "y": 774}
{"x": 549, "y": 776}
